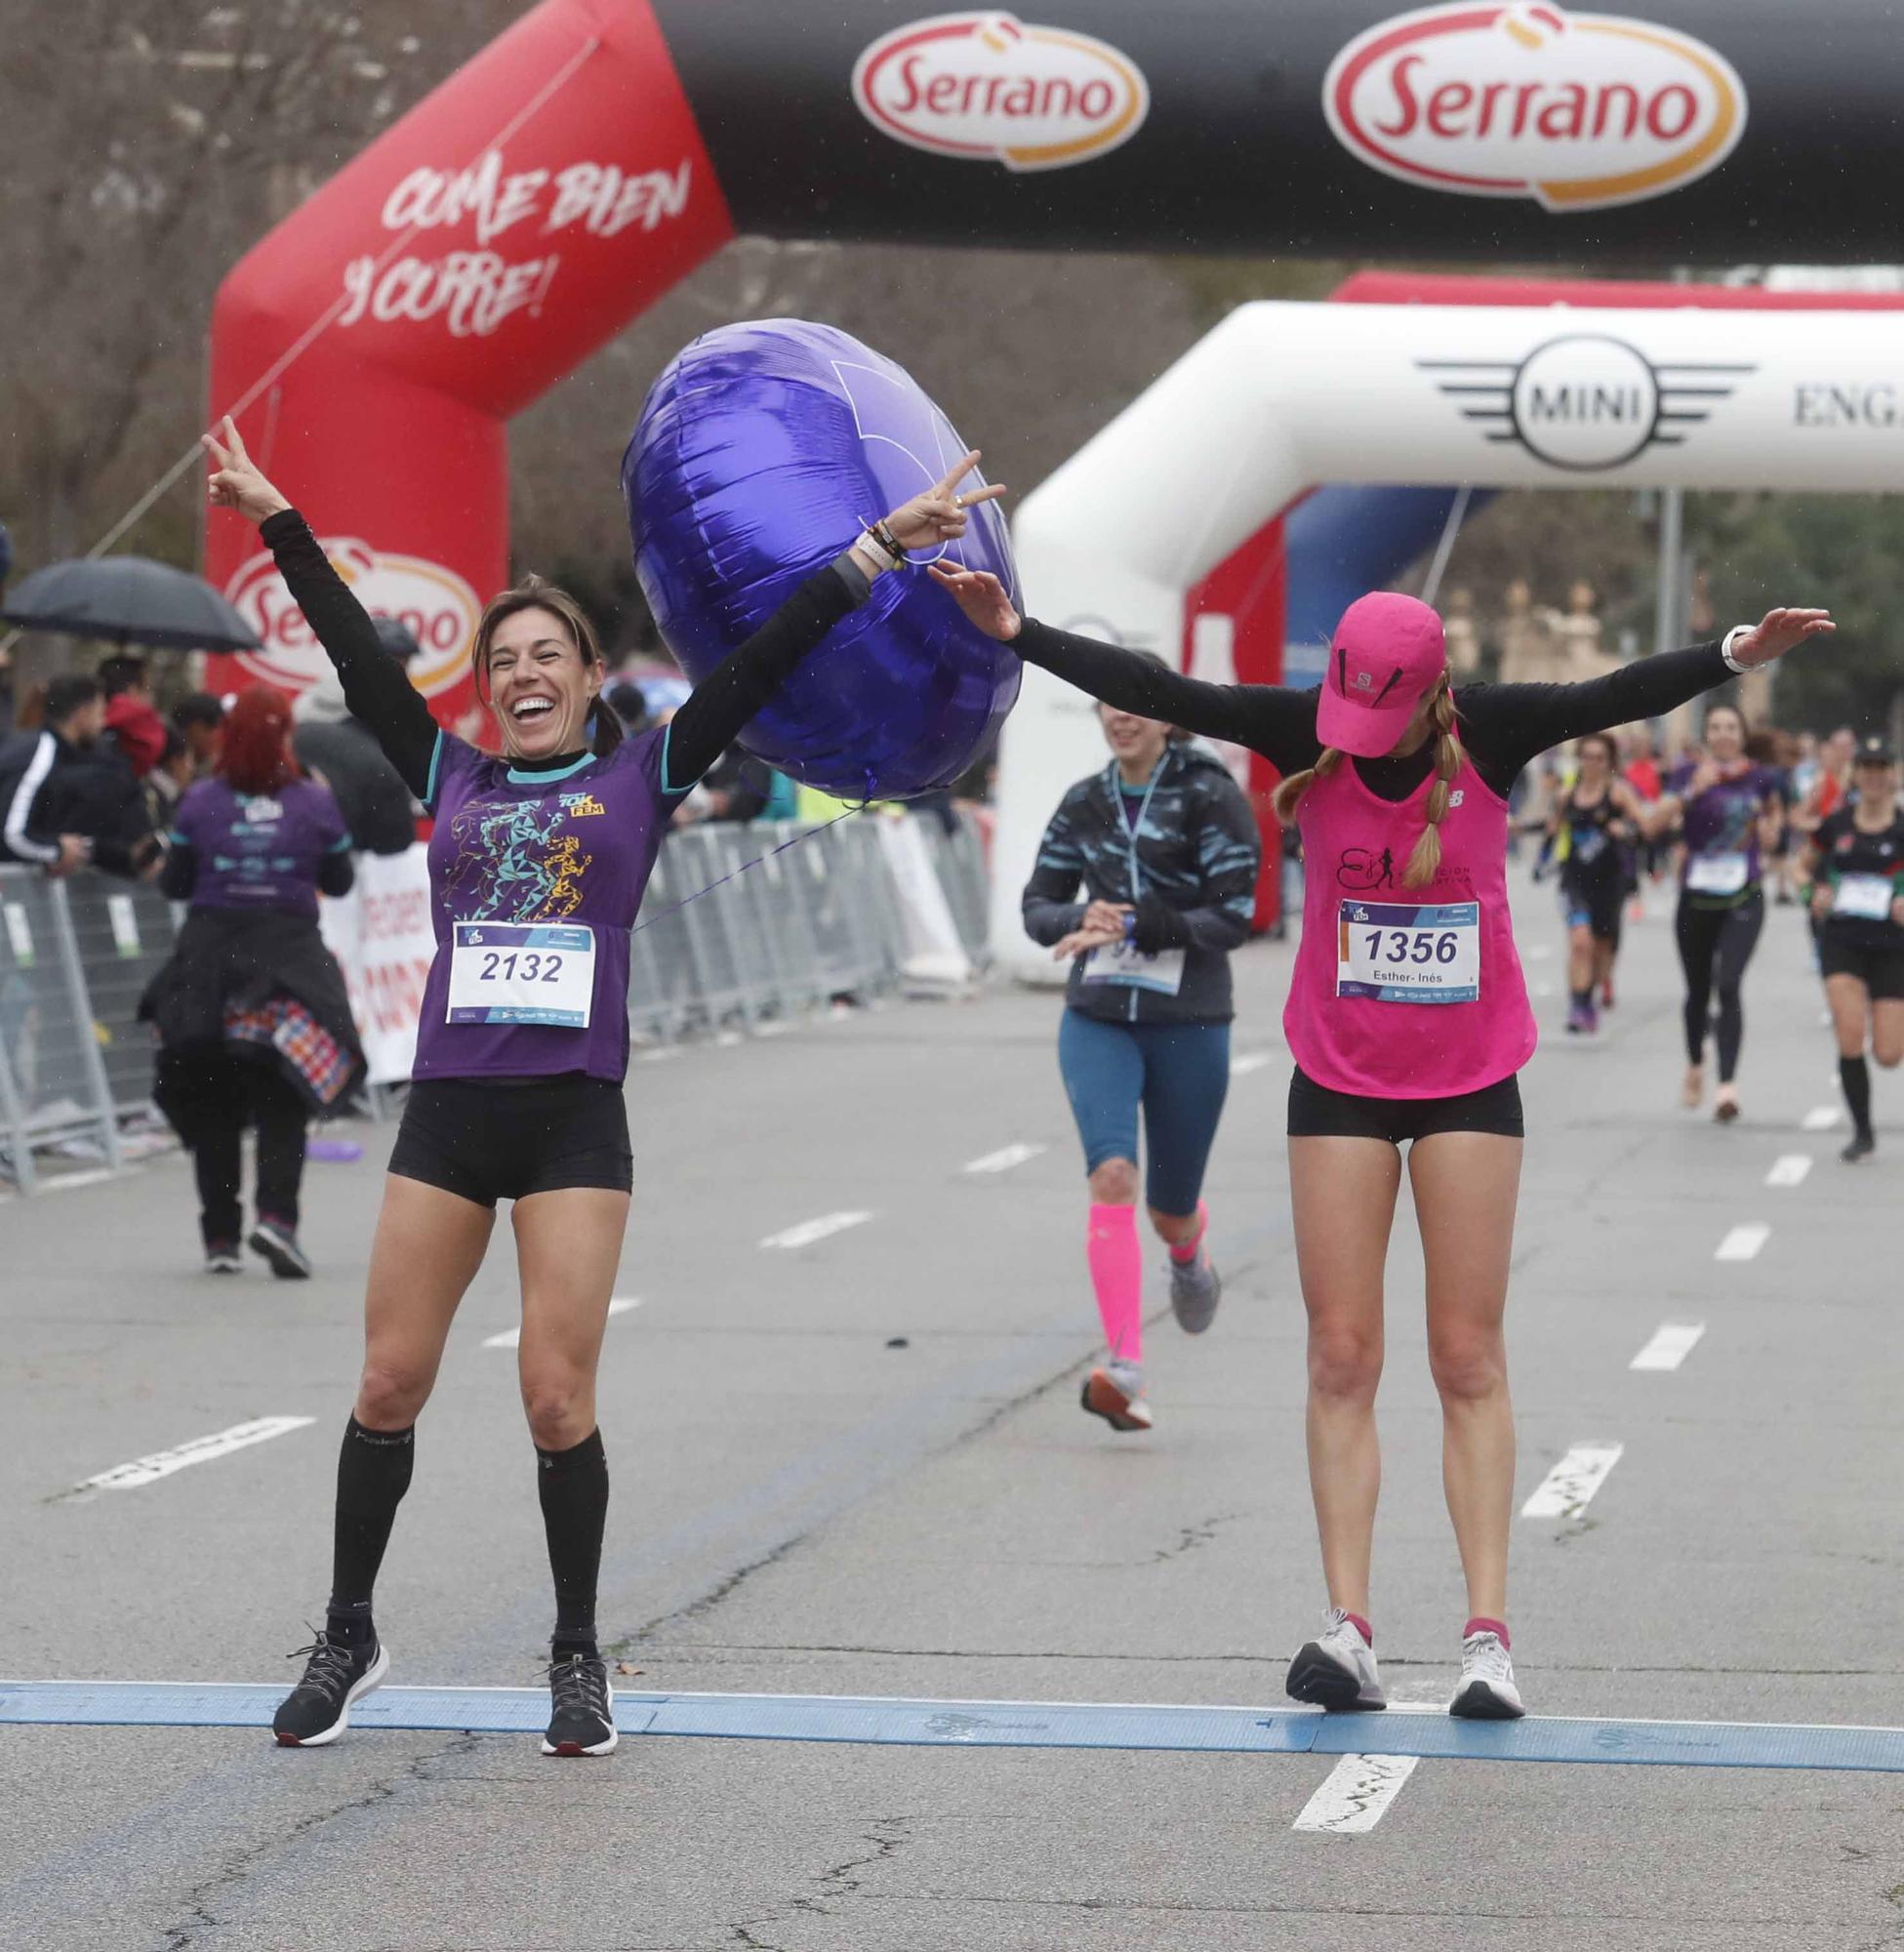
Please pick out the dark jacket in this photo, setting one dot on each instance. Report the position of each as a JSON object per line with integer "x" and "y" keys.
{"x": 369, "y": 788}
{"x": 1196, "y": 856}
{"x": 50, "y": 787}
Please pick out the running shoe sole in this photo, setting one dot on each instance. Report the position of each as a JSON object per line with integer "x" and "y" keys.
{"x": 606, "y": 1748}
{"x": 1324, "y": 1683}
{"x": 286, "y": 1266}
{"x": 1478, "y": 1702}
{"x": 372, "y": 1676}
{"x": 1103, "y": 1398}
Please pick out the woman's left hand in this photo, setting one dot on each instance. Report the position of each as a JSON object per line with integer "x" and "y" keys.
{"x": 939, "y": 514}
{"x": 1779, "y": 632}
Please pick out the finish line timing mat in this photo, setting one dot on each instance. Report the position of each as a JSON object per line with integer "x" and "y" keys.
{"x": 1022, "y": 1725}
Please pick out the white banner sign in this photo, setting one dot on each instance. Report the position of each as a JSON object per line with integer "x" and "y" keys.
{"x": 381, "y": 935}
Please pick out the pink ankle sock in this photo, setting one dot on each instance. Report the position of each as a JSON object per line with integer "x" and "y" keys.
{"x": 1479, "y": 1624}
{"x": 1187, "y": 1250}
{"x": 1117, "y": 1276}
{"x": 1362, "y": 1626}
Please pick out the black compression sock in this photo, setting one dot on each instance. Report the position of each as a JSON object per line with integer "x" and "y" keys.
{"x": 572, "y": 1486}
{"x": 373, "y": 1473}
{"x": 1855, "y": 1074}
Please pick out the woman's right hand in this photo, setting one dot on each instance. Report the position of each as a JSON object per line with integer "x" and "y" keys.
{"x": 1820, "y": 902}
{"x": 1102, "y": 916}
{"x": 1081, "y": 941}
{"x": 982, "y": 597}
{"x": 236, "y": 482}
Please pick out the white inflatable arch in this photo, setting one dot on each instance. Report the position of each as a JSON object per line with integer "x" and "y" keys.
{"x": 1281, "y": 399}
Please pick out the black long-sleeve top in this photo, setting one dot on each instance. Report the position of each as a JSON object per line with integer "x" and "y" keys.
{"x": 1502, "y": 726}
{"x": 378, "y": 692}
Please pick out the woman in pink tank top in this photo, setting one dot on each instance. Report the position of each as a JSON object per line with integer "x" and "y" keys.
{"x": 1408, "y": 1020}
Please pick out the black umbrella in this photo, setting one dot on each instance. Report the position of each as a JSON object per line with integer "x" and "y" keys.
{"x": 132, "y": 601}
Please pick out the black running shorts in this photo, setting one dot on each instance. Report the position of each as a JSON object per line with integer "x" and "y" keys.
{"x": 486, "y": 1142}
{"x": 1879, "y": 968}
{"x": 1317, "y": 1113}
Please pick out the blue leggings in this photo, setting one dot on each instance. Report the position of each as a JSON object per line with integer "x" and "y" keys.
{"x": 1179, "y": 1073}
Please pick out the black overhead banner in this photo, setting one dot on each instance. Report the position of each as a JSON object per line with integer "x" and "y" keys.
{"x": 1685, "y": 131}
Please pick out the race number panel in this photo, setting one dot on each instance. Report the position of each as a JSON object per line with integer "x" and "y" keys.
{"x": 1408, "y": 952}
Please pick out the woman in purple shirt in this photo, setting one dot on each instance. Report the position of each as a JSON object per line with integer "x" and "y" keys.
{"x": 538, "y": 864}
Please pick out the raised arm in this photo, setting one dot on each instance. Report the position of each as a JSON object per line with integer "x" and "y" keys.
{"x": 747, "y": 680}
{"x": 1277, "y": 723}
{"x": 375, "y": 687}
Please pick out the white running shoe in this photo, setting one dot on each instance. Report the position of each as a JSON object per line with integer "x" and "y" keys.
{"x": 1116, "y": 1392}
{"x": 1487, "y": 1691}
{"x": 1337, "y": 1669}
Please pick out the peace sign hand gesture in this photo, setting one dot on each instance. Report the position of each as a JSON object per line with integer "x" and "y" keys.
{"x": 939, "y": 514}
{"x": 235, "y": 481}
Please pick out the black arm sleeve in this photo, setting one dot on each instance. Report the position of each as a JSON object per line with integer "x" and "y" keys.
{"x": 1271, "y": 720}
{"x": 748, "y": 677}
{"x": 1049, "y": 905}
{"x": 180, "y": 875}
{"x": 1505, "y": 725}
{"x": 374, "y": 684}
{"x": 337, "y": 872}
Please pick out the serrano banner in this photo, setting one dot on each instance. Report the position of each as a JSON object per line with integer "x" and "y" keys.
{"x": 377, "y": 342}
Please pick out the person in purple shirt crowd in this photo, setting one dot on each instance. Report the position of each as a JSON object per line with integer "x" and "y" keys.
{"x": 1729, "y": 813}
{"x": 252, "y": 1019}
{"x": 538, "y": 864}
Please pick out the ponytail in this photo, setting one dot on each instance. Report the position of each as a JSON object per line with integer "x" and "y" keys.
{"x": 1425, "y": 863}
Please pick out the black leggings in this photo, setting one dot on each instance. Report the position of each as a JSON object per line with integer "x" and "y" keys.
{"x": 212, "y": 1096}
{"x": 1714, "y": 946}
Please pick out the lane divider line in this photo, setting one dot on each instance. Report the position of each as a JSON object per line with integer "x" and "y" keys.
{"x": 810, "y": 1231}
{"x": 1743, "y": 1243}
{"x": 1789, "y": 1170}
{"x": 511, "y": 1338}
{"x": 1820, "y": 1120}
{"x": 200, "y": 1450}
{"x": 1673, "y": 1342}
{"x": 1006, "y": 1157}
{"x": 968, "y": 1725}
{"x": 1569, "y": 1489}
{"x": 1354, "y": 1796}
{"x": 1249, "y": 1061}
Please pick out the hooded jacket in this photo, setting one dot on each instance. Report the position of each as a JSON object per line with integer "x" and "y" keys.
{"x": 50, "y": 787}
{"x": 328, "y": 740}
{"x": 1195, "y": 857}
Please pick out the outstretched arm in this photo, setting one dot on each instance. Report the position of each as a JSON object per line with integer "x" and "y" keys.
{"x": 375, "y": 687}
{"x": 1270, "y": 719}
{"x": 748, "y": 679}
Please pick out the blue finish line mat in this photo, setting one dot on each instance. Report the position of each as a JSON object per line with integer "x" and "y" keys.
{"x": 976, "y": 1724}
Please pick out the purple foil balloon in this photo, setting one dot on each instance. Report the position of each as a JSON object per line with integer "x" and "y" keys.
{"x": 762, "y": 451}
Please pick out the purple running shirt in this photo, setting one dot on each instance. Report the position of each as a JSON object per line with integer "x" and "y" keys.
{"x": 260, "y": 850}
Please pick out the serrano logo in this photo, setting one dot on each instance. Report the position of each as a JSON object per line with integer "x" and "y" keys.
{"x": 986, "y": 87}
{"x": 1577, "y": 111}
{"x": 440, "y": 608}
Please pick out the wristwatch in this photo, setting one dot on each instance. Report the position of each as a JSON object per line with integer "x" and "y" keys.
{"x": 1725, "y": 648}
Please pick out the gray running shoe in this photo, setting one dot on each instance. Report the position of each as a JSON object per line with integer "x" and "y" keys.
{"x": 1195, "y": 1289}
{"x": 1487, "y": 1691}
{"x": 1337, "y": 1669}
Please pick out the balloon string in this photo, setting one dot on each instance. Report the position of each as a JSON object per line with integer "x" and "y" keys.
{"x": 735, "y": 873}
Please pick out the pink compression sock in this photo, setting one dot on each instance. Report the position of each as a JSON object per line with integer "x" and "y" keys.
{"x": 1117, "y": 1276}
{"x": 1186, "y": 1250}
{"x": 1480, "y": 1624}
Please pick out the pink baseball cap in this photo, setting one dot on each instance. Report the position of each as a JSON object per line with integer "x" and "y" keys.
{"x": 1387, "y": 653}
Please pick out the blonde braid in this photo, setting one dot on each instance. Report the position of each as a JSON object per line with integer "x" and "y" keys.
{"x": 1289, "y": 795}
{"x": 1425, "y": 863}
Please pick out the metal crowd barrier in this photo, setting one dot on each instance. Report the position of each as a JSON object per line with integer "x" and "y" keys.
{"x": 726, "y": 944}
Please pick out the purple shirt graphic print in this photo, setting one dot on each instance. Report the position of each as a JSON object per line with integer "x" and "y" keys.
{"x": 260, "y": 850}
{"x": 536, "y": 879}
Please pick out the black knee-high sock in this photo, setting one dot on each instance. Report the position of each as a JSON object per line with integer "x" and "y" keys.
{"x": 1855, "y": 1073}
{"x": 373, "y": 1473}
{"x": 574, "y": 1487}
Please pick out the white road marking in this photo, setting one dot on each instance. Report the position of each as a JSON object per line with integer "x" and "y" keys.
{"x": 1820, "y": 1120}
{"x": 810, "y": 1231}
{"x": 1566, "y": 1490}
{"x": 511, "y": 1338}
{"x": 1006, "y": 1157}
{"x": 1538, "y": 951}
{"x": 1789, "y": 1170}
{"x": 65, "y": 1182}
{"x": 1249, "y": 1060}
{"x": 1743, "y": 1243}
{"x": 1673, "y": 1342}
{"x": 1355, "y": 1795}
{"x": 200, "y": 1450}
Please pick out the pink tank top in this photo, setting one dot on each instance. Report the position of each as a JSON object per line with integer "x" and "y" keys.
{"x": 1405, "y": 993}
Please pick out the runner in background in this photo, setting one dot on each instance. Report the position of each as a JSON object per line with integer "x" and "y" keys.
{"x": 1855, "y": 864}
{"x": 1167, "y": 850}
{"x": 1590, "y": 836}
{"x": 1729, "y": 816}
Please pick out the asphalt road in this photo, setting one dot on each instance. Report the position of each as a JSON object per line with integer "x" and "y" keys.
{"x": 800, "y": 1506}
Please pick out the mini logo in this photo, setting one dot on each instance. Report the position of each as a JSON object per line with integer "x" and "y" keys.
{"x": 582, "y": 805}
{"x": 1586, "y": 401}
{"x": 439, "y": 606}
{"x": 988, "y": 88}
{"x": 1576, "y": 111}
